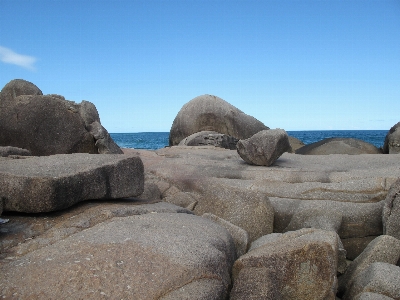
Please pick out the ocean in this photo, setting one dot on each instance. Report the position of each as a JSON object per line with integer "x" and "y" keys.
{"x": 157, "y": 140}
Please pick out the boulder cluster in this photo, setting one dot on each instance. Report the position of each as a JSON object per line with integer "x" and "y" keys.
{"x": 201, "y": 219}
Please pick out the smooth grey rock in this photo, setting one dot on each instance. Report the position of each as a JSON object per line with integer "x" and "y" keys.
{"x": 239, "y": 235}
{"x": 339, "y": 146}
{"x": 48, "y": 183}
{"x": 382, "y": 249}
{"x": 380, "y": 278}
{"x": 391, "y": 211}
{"x": 392, "y": 140}
{"x": 7, "y": 151}
{"x": 165, "y": 253}
{"x": 210, "y": 138}
{"x": 211, "y": 113}
{"x": 298, "y": 265}
{"x": 264, "y": 148}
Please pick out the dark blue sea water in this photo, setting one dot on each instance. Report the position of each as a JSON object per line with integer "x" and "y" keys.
{"x": 157, "y": 140}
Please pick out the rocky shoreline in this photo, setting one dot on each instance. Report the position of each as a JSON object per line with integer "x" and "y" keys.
{"x": 200, "y": 222}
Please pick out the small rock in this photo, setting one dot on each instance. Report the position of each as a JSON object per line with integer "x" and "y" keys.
{"x": 264, "y": 148}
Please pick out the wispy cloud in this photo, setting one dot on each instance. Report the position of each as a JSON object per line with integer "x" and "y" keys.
{"x": 8, "y": 56}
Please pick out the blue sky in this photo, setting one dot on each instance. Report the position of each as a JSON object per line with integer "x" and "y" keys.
{"x": 296, "y": 65}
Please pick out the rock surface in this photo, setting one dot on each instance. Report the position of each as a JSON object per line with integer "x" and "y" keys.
{"x": 339, "y": 146}
{"x": 155, "y": 255}
{"x": 239, "y": 235}
{"x": 297, "y": 265}
{"x": 295, "y": 191}
{"x": 210, "y": 138}
{"x": 391, "y": 211}
{"x": 211, "y": 113}
{"x": 49, "y": 124}
{"x": 295, "y": 144}
{"x": 371, "y": 296}
{"x": 379, "y": 278}
{"x": 264, "y": 148}
{"x": 392, "y": 140}
{"x": 384, "y": 249}
{"x": 48, "y": 183}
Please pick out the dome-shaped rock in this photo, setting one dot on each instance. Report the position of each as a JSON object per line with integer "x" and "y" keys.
{"x": 339, "y": 146}
{"x": 211, "y": 113}
{"x": 18, "y": 87}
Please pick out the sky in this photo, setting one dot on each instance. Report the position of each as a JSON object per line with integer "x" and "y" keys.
{"x": 292, "y": 64}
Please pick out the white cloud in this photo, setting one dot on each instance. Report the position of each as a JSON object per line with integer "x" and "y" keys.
{"x": 8, "y": 56}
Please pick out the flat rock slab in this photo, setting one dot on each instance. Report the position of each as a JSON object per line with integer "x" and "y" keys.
{"x": 348, "y": 187}
{"x": 49, "y": 183}
{"x": 147, "y": 254}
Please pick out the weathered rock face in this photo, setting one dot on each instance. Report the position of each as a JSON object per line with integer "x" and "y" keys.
{"x": 47, "y": 125}
{"x": 48, "y": 183}
{"x": 391, "y": 211}
{"x": 147, "y": 253}
{"x": 297, "y": 265}
{"x": 7, "y": 151}
{"x": 264, "y": 148}
{"x": 338, "y": 146}
{"x": 210, "y": 138}
{"x": 379, "y": 278}
{"x": 392, "y": 140}
{"x": 211, "y": 113}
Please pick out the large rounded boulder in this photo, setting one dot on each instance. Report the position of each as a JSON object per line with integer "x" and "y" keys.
{"x": 49, "y": 124}
{"x": 339, "y": 146}
{"x": 392, "y": 140}
{"x": 211, "y": 113}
